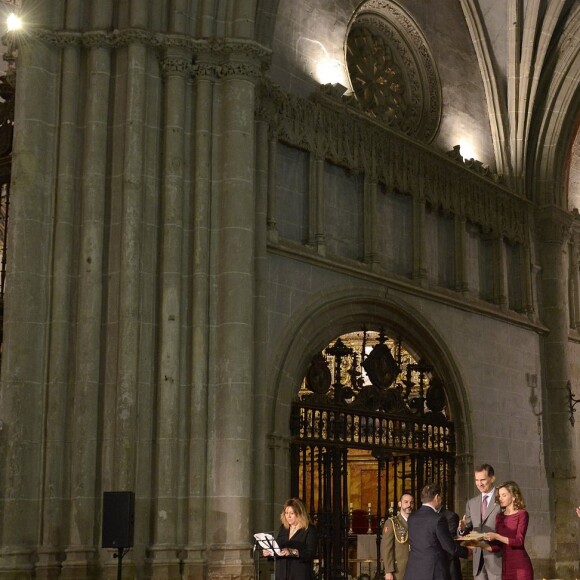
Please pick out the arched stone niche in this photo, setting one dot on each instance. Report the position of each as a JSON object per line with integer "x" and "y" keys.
{"x": 331, "y": 314}
{"x": 392, "y": 70}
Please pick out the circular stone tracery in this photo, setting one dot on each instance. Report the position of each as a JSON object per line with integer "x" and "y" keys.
{"x": 392, "y": 71}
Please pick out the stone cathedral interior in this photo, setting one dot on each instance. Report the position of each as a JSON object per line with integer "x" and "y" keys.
{"x": 261, "y": 249}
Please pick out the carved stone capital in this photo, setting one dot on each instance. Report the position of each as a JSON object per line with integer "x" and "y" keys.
{"x": 205, "y": 70}
{"x": 222, "y": 48}
{"x": 175, "y": 65}
{"x": 554, "y": 224}
{"x": 237, "y": 69}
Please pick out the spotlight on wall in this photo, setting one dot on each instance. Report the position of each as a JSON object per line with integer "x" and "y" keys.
{"x": 459, "y": 155}
{"x": 467, "y": 150}
{"x": 329, "y": 71}
{"x": 13, "y": 22}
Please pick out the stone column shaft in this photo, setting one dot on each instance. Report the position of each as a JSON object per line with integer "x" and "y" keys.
{"x": 271, "y": 149}
{"x": 461, "y": 266}
{"x": 27, "y": 310}
{"x": 318, "y": 183}
{"x": 195, "y": 553}
{"x": 527, "y": 286}
{"x": 139, "y": 14}
{"x": 263, "y": 402}
{"x": 124, "y": 467}
{"x": 574, "y": 274}
{"x": 500, "y": 296}
{"x": 167, "y": 465}
{"x": 84, "y": 418}
{"x": 312, "y": 201}
{"x": 554, "y": 225}
{"x": 231, "y": 394}
{"x": 419, "y": 250}
{"x": 55, "y": 443}
{"x": 370, "y": 220}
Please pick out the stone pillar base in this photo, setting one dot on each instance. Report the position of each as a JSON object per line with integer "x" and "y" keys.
{"x": 79, "y": 571}
{"x": 49, "y": 564}
{"x": 15, "y": 564}
{"x": 194, "y": 571}
{"x": 47, "y": 572}
{"x": 128, "y": 569}
{"x": 230, "y": 572}
{"x": 7, "y": 574}
{"x": 231, "y": 563}
{"x": 160, "y": 571}
{"x": 163, "y": 564}
{"x": 80, "y": 563}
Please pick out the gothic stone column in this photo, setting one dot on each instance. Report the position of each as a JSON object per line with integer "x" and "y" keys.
{"x": 554, "y": 231}
{"x": 230, "y": 401}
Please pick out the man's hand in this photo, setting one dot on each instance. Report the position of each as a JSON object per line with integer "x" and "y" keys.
{"x": 463, "y": 523}
{"x": 389, "y": 576}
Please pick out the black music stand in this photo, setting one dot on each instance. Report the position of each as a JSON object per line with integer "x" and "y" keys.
{"x": 267, "y": 541}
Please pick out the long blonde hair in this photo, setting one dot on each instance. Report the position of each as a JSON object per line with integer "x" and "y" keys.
{"x": 299, "y": 509}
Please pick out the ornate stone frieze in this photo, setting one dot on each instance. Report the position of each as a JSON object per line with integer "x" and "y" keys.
{"x": 345, "y": 136}
{"x": 224, "y": 47}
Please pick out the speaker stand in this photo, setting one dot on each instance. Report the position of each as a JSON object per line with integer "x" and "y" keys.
{"x": 119, "y": 555}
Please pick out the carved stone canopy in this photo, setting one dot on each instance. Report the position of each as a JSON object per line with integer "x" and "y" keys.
{"x": 392, "y": 71}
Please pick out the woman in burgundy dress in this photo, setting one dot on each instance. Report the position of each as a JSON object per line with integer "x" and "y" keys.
{"x": 511, "y": 526}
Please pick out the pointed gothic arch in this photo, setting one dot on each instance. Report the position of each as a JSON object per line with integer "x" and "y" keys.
{"x": 327, "y": 317}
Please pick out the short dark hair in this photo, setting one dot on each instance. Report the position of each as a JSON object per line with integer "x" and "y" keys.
{"x": 485, "y": 467}
{"x": 429, "y": 492}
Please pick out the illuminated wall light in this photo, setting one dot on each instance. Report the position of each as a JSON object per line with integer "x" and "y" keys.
{"x": 13, "y": 22}
{"x": 320, "y": 64}
{"x": 467, "y": 150}
{"x": 329, "y": 71}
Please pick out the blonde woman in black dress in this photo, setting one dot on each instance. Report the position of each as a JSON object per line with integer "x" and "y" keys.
{"x": 298, "y": 541}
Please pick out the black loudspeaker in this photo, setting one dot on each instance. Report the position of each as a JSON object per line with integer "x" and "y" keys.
{"x": 118, "y": 519}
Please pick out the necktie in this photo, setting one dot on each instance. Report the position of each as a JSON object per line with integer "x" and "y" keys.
{"x": 483, "y": 507}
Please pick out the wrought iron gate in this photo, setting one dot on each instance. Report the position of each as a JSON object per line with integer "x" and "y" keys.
{"x": 386, "y": 425}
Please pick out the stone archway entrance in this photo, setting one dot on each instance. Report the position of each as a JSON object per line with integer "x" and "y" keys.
{"x": 371, "y": 421}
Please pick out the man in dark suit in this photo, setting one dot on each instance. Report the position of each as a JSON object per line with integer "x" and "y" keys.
{"x": 454, "y": 563}
{"x": 430, "y": 540}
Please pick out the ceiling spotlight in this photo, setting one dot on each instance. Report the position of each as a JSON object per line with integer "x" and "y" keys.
{"x": 13, "y": 22}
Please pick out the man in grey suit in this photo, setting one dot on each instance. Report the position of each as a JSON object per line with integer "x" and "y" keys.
{"x": 480, "y": 516}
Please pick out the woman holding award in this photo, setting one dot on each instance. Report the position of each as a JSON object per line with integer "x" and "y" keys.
{"x": 298, "y": 540}
{"x": 511, "y": 526}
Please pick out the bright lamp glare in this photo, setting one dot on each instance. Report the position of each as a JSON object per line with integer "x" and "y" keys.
{"x": 468, "y": 150}
{"x": 328, "y": 70}
{"x": 14, "y": 22}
